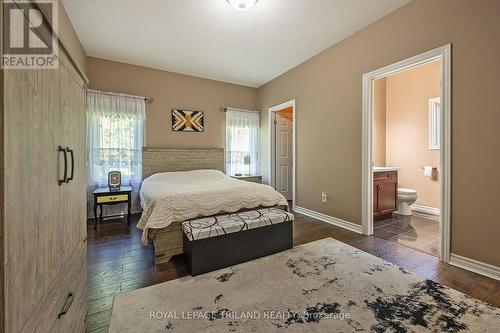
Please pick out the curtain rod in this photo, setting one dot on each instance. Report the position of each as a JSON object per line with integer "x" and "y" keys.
{"x": 224, "y": 109}
{"x": 147, "y": 100}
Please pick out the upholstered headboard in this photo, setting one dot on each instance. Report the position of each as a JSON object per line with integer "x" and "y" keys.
{"x": 156, "y": 160}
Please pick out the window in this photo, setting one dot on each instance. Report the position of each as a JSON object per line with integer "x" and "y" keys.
{"x": 242, "y": 142}
{"x": 434, "y": 123}
{"x": 115, "y": 137}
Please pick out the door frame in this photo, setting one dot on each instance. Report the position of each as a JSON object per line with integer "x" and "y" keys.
{"x": 272, "y": 144}
{"x": 442, "y": 53}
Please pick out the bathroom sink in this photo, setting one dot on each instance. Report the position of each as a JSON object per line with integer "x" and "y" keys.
{"x": 385, "y": 169}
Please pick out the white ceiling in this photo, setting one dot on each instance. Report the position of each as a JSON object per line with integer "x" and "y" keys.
{"x": 208, "y": 38}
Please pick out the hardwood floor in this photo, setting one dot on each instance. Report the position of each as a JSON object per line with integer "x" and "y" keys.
{"x": 117, "y": 262}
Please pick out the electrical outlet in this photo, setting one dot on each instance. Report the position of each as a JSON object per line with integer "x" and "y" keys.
{"x": 323, "y": 197}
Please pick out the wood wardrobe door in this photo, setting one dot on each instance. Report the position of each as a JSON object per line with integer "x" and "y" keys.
{"x": 33, "y": 201}
{"x": 74, "y": 127}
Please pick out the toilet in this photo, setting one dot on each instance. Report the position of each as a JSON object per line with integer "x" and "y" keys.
{"x": 406, "y": 198}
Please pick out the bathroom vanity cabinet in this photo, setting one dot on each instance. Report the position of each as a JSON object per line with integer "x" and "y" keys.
{"x": 385, "y": 194}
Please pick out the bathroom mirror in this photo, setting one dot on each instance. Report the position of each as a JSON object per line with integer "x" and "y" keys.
{"x": 434, "y": 122}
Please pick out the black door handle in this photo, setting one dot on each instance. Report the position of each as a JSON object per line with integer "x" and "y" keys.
{"x": 72, "y": 164}
{"x": 62, "y": 181}
{"x": 67, "y": 305}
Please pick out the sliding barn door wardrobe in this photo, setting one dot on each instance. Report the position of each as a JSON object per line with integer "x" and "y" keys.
{"x": 43, "y": 210}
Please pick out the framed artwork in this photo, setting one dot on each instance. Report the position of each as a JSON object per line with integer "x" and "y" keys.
{"x": 187, "y": 121}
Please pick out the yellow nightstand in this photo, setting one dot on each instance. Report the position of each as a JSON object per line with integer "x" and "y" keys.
{"x": 103, "y": 196}
{"x": 249, "y": 178}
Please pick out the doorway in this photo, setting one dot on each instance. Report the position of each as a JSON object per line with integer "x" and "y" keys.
{"x": 282, "y": 149}
{"x": 371, "y": 177}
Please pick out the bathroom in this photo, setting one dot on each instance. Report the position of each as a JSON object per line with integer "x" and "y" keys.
{"x": 406, "y": 157}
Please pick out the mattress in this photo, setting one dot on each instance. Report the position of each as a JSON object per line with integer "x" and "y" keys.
{"x": 179, "y": 196}
{"x": 218, "y": 225}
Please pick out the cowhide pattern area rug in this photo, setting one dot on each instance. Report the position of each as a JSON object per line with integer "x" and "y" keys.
{"x": 323, "y": 286}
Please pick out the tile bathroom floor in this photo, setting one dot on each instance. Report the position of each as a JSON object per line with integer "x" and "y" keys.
{"x": 415, "y": 232}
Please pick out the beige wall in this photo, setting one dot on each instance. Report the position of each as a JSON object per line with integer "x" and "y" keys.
{"x": 379, "y": 128}
{"x": 327, "y": 89}
{"x": 171, "y": 90}
{"x": 407, "y": 126}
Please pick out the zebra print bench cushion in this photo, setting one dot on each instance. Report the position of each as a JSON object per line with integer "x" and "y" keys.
{"x": 217, "y": 225}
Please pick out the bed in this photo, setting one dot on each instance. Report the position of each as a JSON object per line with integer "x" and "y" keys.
{"x": 182, "y": 184}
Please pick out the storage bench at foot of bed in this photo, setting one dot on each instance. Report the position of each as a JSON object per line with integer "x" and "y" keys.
{"x": 226, "y": 240}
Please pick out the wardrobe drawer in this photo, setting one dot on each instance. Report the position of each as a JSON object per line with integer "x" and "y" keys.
{"x": 72, "y": 277}
{"x": 75, "y": 306}
{"x": 112, "y": 198}
{"x": 73, "y": 303}
{"x": 45, "y": 314}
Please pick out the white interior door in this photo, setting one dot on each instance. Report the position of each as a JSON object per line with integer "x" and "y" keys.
{"x": 284, "y": 160}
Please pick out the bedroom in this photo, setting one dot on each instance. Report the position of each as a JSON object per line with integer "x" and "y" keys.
{"x": 195, "y": 85}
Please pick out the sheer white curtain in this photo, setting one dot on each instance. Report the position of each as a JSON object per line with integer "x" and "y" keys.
{"x": 115, "y": 124}
{"x": 242, "y": 142}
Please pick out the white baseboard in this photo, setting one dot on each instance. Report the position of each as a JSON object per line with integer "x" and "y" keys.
{"x": 475, "y": 266}
{"x": 428, "y": 212}
{"x": 329, "y": 219}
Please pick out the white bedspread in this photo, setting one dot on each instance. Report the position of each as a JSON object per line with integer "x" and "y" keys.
{"x": 178, "y": 196}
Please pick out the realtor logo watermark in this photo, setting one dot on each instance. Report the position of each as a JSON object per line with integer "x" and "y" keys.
{"x": 30, "y": 35}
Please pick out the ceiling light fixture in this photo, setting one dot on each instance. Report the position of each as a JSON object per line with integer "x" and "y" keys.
{"x": 242, "y": 5}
